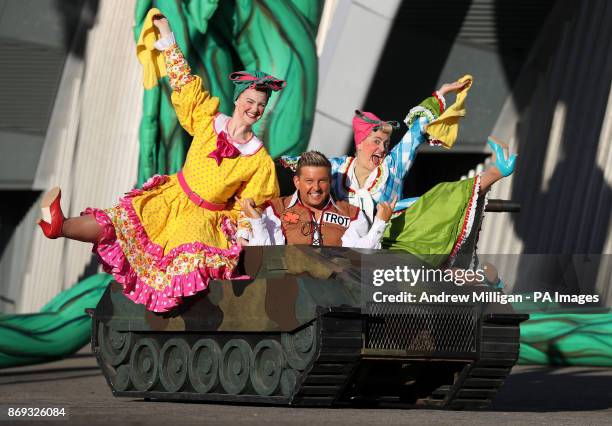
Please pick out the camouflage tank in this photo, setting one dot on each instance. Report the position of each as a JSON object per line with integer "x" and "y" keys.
{"x": 297, "y": 333}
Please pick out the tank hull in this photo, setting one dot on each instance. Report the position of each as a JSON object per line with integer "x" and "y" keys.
{"x": 290, "y": 338}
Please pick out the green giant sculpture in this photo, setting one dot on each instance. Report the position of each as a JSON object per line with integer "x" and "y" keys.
{"x": 219, "y": 37}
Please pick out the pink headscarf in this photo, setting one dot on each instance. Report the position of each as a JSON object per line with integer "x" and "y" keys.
{"x": 364, "y": 122}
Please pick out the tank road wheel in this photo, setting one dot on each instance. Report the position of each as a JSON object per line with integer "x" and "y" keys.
{"x": 122, "y": 378}
{"x": 300, "y": 347}
{"x": 174, "y": 364}
{"x": 144, "y": 364}
{"x": 288, "y": 381}
{"x": 235, "y": 362}
{"x": 267, "y": 365}
{"x": 114, "y": 345}
{"x": 204, "y": 360}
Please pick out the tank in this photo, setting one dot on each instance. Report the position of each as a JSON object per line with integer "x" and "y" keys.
{"x": 298, "y": 333}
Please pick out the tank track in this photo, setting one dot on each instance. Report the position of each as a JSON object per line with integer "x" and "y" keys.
{"x": 309, "y": 367}
{"x": 341, "y": 343}
{"x": 478, "y": 383}
{"x": 440, "y": 380}
{"x": 320, "y": 364}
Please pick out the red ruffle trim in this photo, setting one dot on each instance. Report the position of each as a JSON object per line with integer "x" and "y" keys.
{"x": 468, "y": 221}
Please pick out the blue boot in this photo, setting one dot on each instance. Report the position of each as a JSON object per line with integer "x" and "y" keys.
{"x": 503, "y": 164}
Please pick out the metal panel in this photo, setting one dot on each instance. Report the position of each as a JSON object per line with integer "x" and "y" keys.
{"x": 343, "y": 73}
{"x": 438, "y": 329}
{"x": 34, "y": 38}
{"x": 19, "y": 154}
{"x": 28, "y": 82}
{"x": 92, "y": 153}
{"x": 559, "y": 120}
{"x": 434, "y": 42}
{"x": 48, "y": 23}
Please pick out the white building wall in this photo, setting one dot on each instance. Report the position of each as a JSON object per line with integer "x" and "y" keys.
{"x": 91, "y": 151}
{"x": 354, "y": 33}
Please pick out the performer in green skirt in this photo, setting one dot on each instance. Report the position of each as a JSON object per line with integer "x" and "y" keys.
{"x": 435, "y": 225}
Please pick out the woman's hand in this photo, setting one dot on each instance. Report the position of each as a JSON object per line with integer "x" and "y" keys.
{"x": 385, "y": 210}
{"x": 457, "y": 86}
{"x": 162, "y": 24}
{"x": 248, "y": 207}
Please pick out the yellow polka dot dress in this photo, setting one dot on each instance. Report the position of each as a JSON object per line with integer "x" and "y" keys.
{"x": 158, "y": 242}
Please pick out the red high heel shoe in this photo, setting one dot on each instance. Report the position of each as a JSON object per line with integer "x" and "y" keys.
{"x": 50, "y": 208}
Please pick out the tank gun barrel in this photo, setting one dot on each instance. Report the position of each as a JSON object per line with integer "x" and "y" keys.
{"x": 499, "y": 206}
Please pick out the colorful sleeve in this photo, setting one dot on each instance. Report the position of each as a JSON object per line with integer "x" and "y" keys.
{"x": 193, "y": 105}
{"x": 430, "y": 108}
{"x": 402, "y": 155}
{"x": 336, "y": 162}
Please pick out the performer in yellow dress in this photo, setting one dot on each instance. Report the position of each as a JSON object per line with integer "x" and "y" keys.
{"x": 167, "y": 239}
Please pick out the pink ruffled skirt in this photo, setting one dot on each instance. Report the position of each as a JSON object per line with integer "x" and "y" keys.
{"x": 149, "y": 276}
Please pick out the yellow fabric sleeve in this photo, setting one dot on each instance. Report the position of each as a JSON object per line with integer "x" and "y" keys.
{"x": 152, "y": 60}
{"x": 262, "y": 186}
{"x": 446, "y": 127}
{"x": 193, "y": 105}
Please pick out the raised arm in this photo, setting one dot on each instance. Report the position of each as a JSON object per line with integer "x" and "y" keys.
{"x": 403, "y": 154}
{"x": 193, "y": 105}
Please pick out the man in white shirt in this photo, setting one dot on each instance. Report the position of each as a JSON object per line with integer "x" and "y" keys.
{"x": 311, "y": 215}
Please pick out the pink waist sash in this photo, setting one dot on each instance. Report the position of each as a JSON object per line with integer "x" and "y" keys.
{"x": 195, "y": 198}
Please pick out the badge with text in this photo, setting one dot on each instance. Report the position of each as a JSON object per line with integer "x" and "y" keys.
{"x": 335, "y": 218}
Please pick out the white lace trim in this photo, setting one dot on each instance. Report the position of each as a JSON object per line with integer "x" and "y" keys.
{"x": 419, "y": 111}
{"x": 441, "y": 98}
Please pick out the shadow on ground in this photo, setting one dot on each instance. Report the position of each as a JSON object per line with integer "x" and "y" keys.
{"x": 543, "y": 389}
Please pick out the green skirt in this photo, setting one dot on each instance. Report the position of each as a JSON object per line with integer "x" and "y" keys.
{"x": 436, "y": 226}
